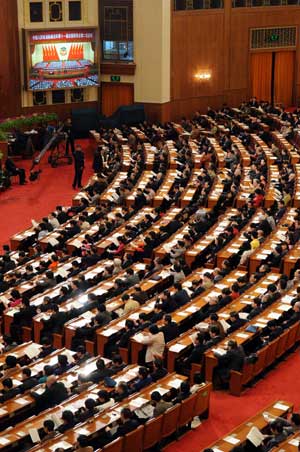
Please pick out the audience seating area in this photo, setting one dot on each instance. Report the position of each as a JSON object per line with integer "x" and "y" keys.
{"x": 175, "y": 272}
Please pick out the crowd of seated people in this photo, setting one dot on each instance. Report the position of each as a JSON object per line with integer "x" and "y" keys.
{"x": 40, "y": 266}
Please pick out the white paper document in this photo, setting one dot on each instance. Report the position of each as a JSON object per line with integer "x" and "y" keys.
{"x": 231, "y": 439}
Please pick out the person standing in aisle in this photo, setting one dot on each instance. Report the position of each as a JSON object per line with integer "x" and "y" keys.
{"x": 70, "y": 137}
{"x": 79, "y": 166}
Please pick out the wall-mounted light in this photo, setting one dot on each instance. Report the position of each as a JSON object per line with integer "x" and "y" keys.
{"x": 203, "y": 76}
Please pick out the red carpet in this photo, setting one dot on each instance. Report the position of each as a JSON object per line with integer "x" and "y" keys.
{"x": 227, "y": 412}
{"x": 21, "y": 203}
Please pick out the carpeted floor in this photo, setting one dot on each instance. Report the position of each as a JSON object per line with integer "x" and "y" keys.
{"x": 36, "y": 199}
{"x": 20, "y": 204}
{"x": 227, "y": 412}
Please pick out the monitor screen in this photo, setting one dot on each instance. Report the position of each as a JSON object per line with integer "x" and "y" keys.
{"x": 62, "y": 59}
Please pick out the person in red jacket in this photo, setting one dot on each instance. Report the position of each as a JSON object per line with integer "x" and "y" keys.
{"x": 258, "y": 198}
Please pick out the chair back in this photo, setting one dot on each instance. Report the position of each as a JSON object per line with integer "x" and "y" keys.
{"x": 170, "y": 420}
{"x": 57, "y": 340}
{"x": 272, "y": 349}
{"x": 187, "y": 410}
{"x": 291, "y": 339}
{"x": 114, "y": 446}
{"x": 152, "y": 432}
{"x": 202, "y": 402}
{"x": 124, "y": 354}
{"x": 134, "y": 440}
{"x": 260, "y": 363}
{"x": 90, "y": 347}
{"x": 282, "y": 343}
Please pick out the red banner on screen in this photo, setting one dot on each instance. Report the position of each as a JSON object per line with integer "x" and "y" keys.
{"x": 83, "y": 35}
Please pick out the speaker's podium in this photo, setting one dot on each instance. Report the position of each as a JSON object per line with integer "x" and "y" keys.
{"x": 128, "y": 115}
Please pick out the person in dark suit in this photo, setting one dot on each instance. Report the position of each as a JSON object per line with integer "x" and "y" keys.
{"x": 28, "y": 382}
{"x": 8, "y": 391}
{"x": 99, "y": 374}
{"x": 53, "y": 395}
{"x": 235, "y": 322}
{"x": 256, "y": 308}
{"x": 13, "y": 170}
{"x": 98, "y": 161}
{"x": 158, "y": 370}
{"x": 55, "y": 323}
{"x": 170, "y": 328}
{"x": 79, "y": 166}
{"x": 233, "y": 359}
{"x": 139, "y": 295}
{"x": 128, "y": 424}
{"x": 278, "y": 434}
{"x": 62, "y": 216}
{"x": 69, "y": 421}
{"x": 196, "y": 355}
{"x": 68, "y": 129}
{"x": 181, "y": 296}
{"x": 272, "y": 331}
{"x": 214, "y": 336}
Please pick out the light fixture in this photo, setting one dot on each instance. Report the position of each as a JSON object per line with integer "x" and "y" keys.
{"x": 203, "y": 76}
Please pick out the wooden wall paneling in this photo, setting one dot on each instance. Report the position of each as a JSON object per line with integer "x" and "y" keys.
{"x": 10, "y": 83}
{"x": 219, "y": 40}
{"x": 114, "y": 95}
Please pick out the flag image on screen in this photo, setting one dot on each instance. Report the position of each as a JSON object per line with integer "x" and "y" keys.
{"x": 62, "y": 59}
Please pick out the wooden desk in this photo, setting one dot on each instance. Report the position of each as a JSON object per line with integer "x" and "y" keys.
{"x": 272, "y": 193}
{"x": 259, "y": 420}
{"x": 241, "y": 336}
{"x": 291, "y": 259}
{"x": 234, "y": 246}
{"x": 282, "y": 143}
{"x": 168, "y": 244}
{"x": 296, "y": 197}
{"x": 245, "y": 156}
{"x": 290, "y": 444}
{"x": 190, "y": 189}
{"x": 275, "y": 238}
{"x": 110, "y": 193}
{"x": 217, "y": 188}
{"x": 150, "y": 286}
{"x": 181, "y": 344}
{"x": 163, "y": 221}
{"x": 218, "y": 151}
{"x": 165, "y": 188}
{"x": 246, "y": 189}
{"x": 201, "y": 245}
{"x": 256, "y": 140}
{"x": 186, "y": 313}
{"x": 141, "y": 184}
{"x": 102, "y": 420}
{"x": 82, "y": 302}
{"x": 106, "y": 241}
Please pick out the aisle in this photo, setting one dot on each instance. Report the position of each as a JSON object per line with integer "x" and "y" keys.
{"x": 227, "y": 411}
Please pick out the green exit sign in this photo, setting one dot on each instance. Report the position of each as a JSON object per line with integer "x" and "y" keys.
{"x": 115, "y": 78}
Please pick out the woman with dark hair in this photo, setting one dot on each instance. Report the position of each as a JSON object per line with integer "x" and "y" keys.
{"x": 16, "y": 298}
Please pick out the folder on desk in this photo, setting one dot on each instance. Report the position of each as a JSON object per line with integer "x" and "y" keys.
{"x": 34, "y": 435}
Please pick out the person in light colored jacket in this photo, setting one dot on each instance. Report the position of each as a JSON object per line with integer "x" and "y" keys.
{"x": 155, "y": 342}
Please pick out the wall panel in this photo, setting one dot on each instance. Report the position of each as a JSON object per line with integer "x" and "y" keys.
{"x": 219, "y": 41}
{"x": 10, "y": 89}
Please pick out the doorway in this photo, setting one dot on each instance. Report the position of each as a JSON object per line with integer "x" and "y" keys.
{"x": 272, "y": 76}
